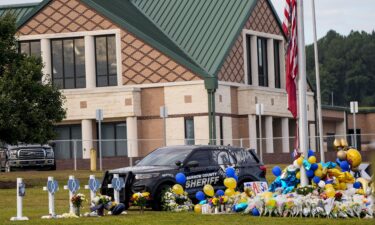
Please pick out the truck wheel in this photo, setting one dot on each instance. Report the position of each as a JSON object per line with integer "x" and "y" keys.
{"x": 7, "y": 168}
{"x": 156, "y": 203}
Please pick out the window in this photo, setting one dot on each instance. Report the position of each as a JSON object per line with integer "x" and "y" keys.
{"x": 262, "y": 62}
{"x": 276, "y": 54}
{"x": 30, "y": 48}
{"x": 114, "y": 139}
{"x": 64, "y": 148}
{"x": 105, "y": 57}
{"x": 68, "y": 63}
{"x": 189, "y": 131}
{"x": 248, "y": 53}
{"x": 201, "y": 156}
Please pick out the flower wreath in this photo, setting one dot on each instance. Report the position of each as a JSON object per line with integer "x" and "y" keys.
{"x": 176, "y": 203}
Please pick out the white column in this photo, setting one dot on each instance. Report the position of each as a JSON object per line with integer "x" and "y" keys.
{"x": 90, "y": 62}
{"x": 87, "y": 138}
{"x": 227, "y": 131}
{"x": 285, "y": 134}
{"x": 254, "y": 60}
{"x": 312, "y": 136}
{"x": 132, "y": 136}
{"x": 269, "y": 134}
{"x": 271, "y": 63}
{"x": 119, "y": 58}
{"x": 253, "y": 132}
{"x": 282, "y": 64}
{"x": 45, "y": 49}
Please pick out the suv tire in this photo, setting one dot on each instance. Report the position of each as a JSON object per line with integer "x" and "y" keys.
{"x": 156, "y": 203}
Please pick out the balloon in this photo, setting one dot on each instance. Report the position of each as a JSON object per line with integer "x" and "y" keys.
{"x": 255, "y": 212}
{"x": 320, "y": 166}
{"x": 198, "y": 208}
{"x": 318, "y": 173}
{"x": 328, "y": 186}
{"x": 300, "y": 161}
{"x": 341, "y": 155}
{"x": 267, "y": 194}
{"x": 271, "y": 203}
{"x": 357, "y": 185}
{"x": 312, "y": 159}
{"x": 229, "y": 192}
{"x": 220, "y": 192}
{"x": 354, "y": 157}
{"x": 316, "y": 180}
{"x": 208, "y": 190}
{"x": 236, "y": 178}
{"x": 276, "y": 171}
{"x": 364, "y": 183}
{"x": 230, "y": 172}
{"x": 298, "y": 175}
{"x": 344, "y": 166}
{"x": 178, "y": 189}
{"x": 343, "y": 142}
{"x": 321, "y": 184}
{"x": 181, "y": 178}
{"x": 310, "y": 153}
{"x": 314, "y": 166}
{"x": 342, "y": 186}
{"x": 336, "y": 144}
{"x": 230, "y": 183}
{"x": 330, "y": 192}
{"x": 200, "y": 195}
{"x": 310, "y": 173}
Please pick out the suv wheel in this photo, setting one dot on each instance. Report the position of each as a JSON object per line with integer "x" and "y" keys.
{"x": 7, "y": 168}
{"x": 156, "y": 203}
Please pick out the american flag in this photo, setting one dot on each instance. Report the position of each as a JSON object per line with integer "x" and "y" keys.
{"x": 291, "y": 63}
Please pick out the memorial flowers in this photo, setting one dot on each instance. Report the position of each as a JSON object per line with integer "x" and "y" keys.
{"x": 140, "y": 199}
{"x": 77, "y": 201}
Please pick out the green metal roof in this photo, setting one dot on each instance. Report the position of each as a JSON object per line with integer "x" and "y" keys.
{"x": 19, "y": 10}
{"x": 204, "y": 30}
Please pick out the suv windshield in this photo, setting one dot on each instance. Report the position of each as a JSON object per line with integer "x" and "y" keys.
{"x": 165, "y": 157}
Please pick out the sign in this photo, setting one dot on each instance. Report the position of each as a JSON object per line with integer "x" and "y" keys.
{"x": 364, "y": 170}
{"x": 99, "y": 115}
{"x": 256, "y": 187}
{"x": 259, "y": 109}
{"x": 73, "y": 185}
{"x": 21, "y": 189}
{"x": 163, "y": 112}
{"x": 118, "y": 183}
{"x": 52, "y": 186}
{"x": 94, "y": 184}
{"x": 353, "y": 107}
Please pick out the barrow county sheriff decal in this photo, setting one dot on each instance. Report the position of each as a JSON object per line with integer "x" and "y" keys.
{"x": 200, "y": 180}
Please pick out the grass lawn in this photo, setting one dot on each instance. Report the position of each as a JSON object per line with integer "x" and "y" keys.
{"x": 36, "y": 204}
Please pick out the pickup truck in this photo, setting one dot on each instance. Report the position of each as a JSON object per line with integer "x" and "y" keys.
{"x": 26, "y": 156}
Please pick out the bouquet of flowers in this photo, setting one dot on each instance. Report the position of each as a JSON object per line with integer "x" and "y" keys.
{"x": 77, "y": 201}
{"x": 101, "y": 202}
{"x": 140, "y": 199}
{"x": 176, "y": 203}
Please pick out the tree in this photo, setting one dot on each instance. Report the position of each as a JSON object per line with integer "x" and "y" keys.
{"x": 28, "y": 106}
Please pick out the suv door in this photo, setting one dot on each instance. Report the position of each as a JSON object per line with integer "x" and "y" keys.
{"x": 223, "y": 159}
{"x": 204, "y": 173}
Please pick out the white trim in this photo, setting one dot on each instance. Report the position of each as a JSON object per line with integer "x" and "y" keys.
{"x": 167, "y": 84}
{"x": 119, "y": 58}
{"x": 69, "y": 35}
{"x": 244, "y": 47}
{"x": 264, "y": 35}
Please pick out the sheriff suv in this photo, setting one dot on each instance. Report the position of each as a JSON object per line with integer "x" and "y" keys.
{"x": 200, "y": 164}
{"x": 22, "y": 156}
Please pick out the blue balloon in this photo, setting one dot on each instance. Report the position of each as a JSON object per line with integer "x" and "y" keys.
{"x": 220, "y": 193}
{"x": 235, "y": 177}
{"x": 230, "y": 172}
{"x": 276, "y": 171}
{"x": 200, "y": 195}
{"x": 357, "y": 185}
{"x": 316, "y": 179}
{"x": 255, "y": 212}
{"x": 344, "y": 166}
{"x": 314, "y": 167}
{"x": 310, "y": 153}
{"x": 181, "y": 178}
{"x": 240, "y": 207}
{"x": 310, "y": 173}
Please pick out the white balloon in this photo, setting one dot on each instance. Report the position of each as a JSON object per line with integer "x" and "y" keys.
{"x": 321, "y": 184}
{"x": 295, "y": 163}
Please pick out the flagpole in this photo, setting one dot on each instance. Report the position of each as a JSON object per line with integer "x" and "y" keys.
{"x": 318, "y": 96}
{"x": 302, "y": 108}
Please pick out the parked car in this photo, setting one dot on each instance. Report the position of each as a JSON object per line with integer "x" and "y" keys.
{"x": 26, "y": 156}
{"x": 200, "y": 164}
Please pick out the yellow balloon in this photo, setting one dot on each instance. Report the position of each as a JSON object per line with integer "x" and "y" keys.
{"x": 198, "y": 208}
{"x": 230, "y": 183}
{"x": 229, "y": 192}
{"x": 343, "y": 142}
{"x": 312, "y": 159}
{"x": 318, "y": 173}
{"x": 298, "y": 175}
{"x": 343, "y": 186}
{"x": 320, "y": 166}
{"x": 267, "y": 194}
{"x": 328, "y": 186}
{"x": 300, "y": 161}
{"x": 330, "y": 192}
{"x": 354, "y": 157}
{"x": 336, "y": 144}
{"x": 178, "y": 189}
{"x": 271, "y": 203}
{"x": 208, "y": 190}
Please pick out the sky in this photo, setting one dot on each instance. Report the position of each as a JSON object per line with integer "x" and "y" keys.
{"x": 339, "y": 15}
